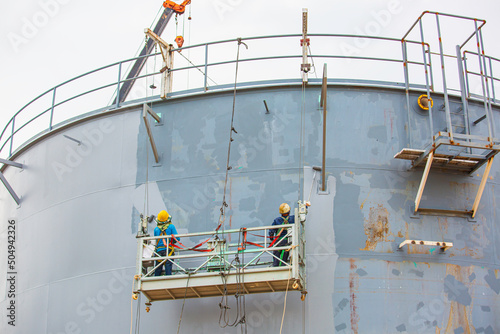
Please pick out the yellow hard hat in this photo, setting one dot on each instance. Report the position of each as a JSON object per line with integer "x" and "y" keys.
{"x": 163, "y": 216}
{"x": 284, "y": 208}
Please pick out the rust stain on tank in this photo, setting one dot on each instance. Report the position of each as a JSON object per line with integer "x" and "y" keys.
{"x": 353, "y": 288}
{"x": 376, "y": 227}
{"x": 460, "y": 315}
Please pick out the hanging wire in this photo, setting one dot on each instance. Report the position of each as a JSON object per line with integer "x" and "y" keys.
{"x": 302, "y": 136}
{"x": 312, "y": 60}
{"x": 240, "y": 316}
{"x": 189, "y": 42}
{"x": 138, "y": 316}
{"x": 284, "y": 304}
{"x": 222, "y": 216}
{"x": 197, "y": 67}
{"x": 183, "y": 302}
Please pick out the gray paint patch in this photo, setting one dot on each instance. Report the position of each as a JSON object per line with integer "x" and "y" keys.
{"x": 456, "y": 290}
{"x": 341, "y": 327}
{"x": 361, "y": 272}
{"x": 378, "y": 133}
{"x": 401, "y": 328}
{"x": 419, "y": 273}
{"x": 459, "y": 330}
{"x": 247, "y": 204}
{"x": 420, "y": 305}
{"x": 434, "y": 323}
{"x": 480, "y": 330}
{"x": 396, "y": 272}
{"x": 472, "y": 277}
{"x": 485, "y": 308}
{"x": 489, "y": 330}
{"x": 493, "y": 281}
{"x": 343, "y": 303}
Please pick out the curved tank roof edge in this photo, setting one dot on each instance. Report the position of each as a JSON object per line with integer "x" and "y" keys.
{"x": 179, "y": 97}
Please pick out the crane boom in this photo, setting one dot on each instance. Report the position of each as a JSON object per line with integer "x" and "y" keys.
{"x": 171, "y": 8}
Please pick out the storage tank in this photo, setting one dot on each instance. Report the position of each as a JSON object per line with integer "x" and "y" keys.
{"x": 392, "y": 246}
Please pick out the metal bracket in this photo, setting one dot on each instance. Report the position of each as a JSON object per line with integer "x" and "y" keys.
{"x": 168, "y": 62}
{"x": 145, "y": 111}
{"x": 6, "y": 183}
{"x": 424, "y": 180}
{"x": 481, "y": 186}
{"x": 443, "y": 245}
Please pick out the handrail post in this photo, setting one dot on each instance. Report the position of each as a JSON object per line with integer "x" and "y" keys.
{"x": 445, "y": 87}
{"x": 492, "y": 135}
{"x": 206, "y": 67}
{"x": 484, "y": 83}
{"x": 466, "y": 73}
{"x": 462, "y": 88}
{"x": 407, "y": 87}
{"x": 52, "y": 109}
{"x": 118, "y": 85}
{"x": 492, "y": 79}
{"x": 431, "y": 122}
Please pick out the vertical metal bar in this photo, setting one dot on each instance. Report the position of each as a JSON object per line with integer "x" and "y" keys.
{"x": 52, "y": 109}
{"x": 466, "y": 72}
{"x": 305, "y": 64}
{"x": 118, "y": 85}
{"x": 407, "y": 87}
{"x": 323, "y": 162}
{"x": 206, "y": 68}
{"x": 12, "y": 136}
{"x": 481, "y": 186}
{"x": 430, "y": 67}
{"x": 431, "y": 121}
{"x": 492, "y": 80}
{"x": 490, "y": 110}
{"x": 488, "y": 121}
{"x": 462, "y": 89}
{"x": 138, "y": 264}
{"x": 445, "y": 88}
{"x": 295, "y": 250}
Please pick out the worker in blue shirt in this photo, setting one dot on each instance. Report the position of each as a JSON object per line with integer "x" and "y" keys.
{"x": 165, "y": 227}
{"x": 285, "y": 218}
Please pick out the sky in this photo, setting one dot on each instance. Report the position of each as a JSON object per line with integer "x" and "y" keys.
{"x": 45, "y": 42}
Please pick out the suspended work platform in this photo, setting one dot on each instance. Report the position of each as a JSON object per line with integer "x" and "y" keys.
{"x": 271, "y": 279}
{"x": 221, "y": 263}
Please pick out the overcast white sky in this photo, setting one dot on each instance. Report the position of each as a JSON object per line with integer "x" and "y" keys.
{"x": 46, "y": 42}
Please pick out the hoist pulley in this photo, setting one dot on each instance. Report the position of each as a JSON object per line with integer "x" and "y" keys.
{"x": 178, "y": 8}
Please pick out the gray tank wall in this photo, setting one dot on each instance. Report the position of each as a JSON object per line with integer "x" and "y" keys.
{"x": 76, "y": 225}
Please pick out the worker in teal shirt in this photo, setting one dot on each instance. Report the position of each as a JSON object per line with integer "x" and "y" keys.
{"x": 166, "y": 228}
{"x": 285, "y": 218}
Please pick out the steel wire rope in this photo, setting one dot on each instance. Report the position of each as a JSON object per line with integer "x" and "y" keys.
{"x": 240, "y": 317}
{"x": 183, "y": 302}
{"x": 223, "y": 305}
{"x": 231, "y": 130}
{"x": 138, "y": 316}
{"x": 189, "y": 43}
{"x": 197, "y": 67}
{"x": 312, "y": 60}
{"x": 286, "y": 293}
{"x": 301, "y": 138}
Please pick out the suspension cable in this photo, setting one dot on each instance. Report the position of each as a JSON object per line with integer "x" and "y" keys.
{"x": 197, "y": 67}
{"x": 222, "y": 216}
{"x": 183, "y": 302}
{"x": 301, "y": 140}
